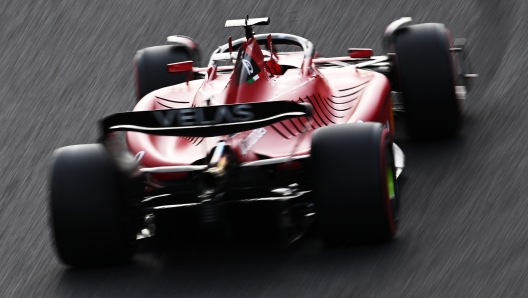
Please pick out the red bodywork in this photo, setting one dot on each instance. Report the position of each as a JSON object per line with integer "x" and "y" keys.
{"x": 338, "y": 95}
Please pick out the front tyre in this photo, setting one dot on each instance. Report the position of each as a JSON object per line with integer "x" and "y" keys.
{"x": 356, "y": 195}
{"x": 89, "y": 210}
{"x": 425, "y": 73}
{"x": 150, "y": 67}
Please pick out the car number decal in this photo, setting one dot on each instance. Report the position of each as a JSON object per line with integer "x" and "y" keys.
{"x": 251, "y": 139}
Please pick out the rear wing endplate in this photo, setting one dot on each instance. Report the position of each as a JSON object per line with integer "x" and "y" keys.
{"x": 205, "y": 121}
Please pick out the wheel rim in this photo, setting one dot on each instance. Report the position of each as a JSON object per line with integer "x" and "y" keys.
{"x": 390, "y": 183}
{"x": 392, "y": 186}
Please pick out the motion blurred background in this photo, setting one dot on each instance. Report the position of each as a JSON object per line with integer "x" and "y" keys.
{"x": 65, "y": 64}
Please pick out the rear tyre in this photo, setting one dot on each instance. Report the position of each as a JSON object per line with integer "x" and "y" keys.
{"x": 356, "y": 195}
{"x": 90, "y": 222}
{"x": 426, "y": 77}
{"x": 150, "y": 65}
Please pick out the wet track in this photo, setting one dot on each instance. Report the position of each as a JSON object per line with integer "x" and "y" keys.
{"x": 464, "y": 231}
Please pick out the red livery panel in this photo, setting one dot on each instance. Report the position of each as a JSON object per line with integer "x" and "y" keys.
{"x": 337, "y": 95}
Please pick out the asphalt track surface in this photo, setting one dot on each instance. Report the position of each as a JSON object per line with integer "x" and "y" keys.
{"x": 66, "y": 64}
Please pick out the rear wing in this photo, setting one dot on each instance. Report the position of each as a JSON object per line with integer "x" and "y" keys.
{"x": 207, "y": 121}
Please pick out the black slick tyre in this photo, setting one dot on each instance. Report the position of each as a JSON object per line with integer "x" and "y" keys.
{"x": 356, "y": 194}
{"x": 150, "y": 67}
{"x": 426, "y": 77}
{"x": 88, "y": 208}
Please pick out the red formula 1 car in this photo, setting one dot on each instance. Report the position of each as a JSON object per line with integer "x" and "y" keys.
{"x": 310, "y": 136}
